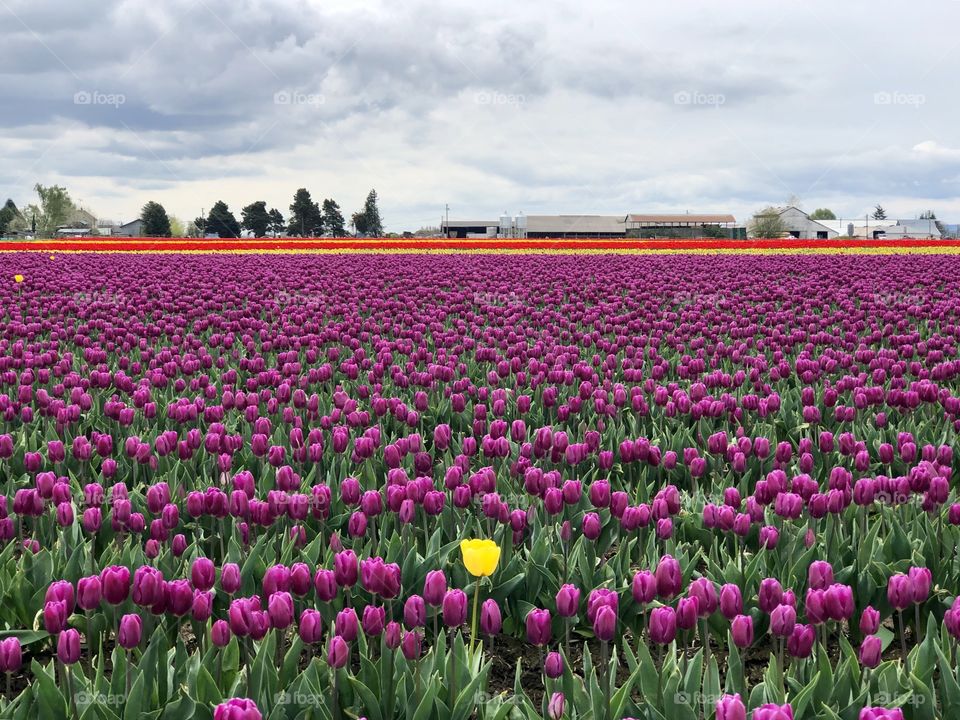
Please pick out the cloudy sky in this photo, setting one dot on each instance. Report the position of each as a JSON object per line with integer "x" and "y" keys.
{"x": 540, "y": 107}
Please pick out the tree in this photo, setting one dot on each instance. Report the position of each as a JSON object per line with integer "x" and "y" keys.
{"x": 333, "y": 219}
{"x": 176, "y": 227}
{"x": 199, "y": 227}
{"x": 8, "y": 213}
{"x": 277, "y": 224}
{"x": 54, "y": 209}
{"x": 256, "y": 218}
{"x": 714, "y": 231}
{"x": 823, "y": 214}
{"x": 767, "y": 224}
{"x": 879, "y": 213}
{"x": 367, "y": 221}
{"x": 305, "y": 217}
{"x": 155, "y": 220}
{"x": 221, "y": 222}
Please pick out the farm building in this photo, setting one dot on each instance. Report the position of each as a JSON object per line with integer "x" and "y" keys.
{"x": 798, "y": 224}
{"x": 682, "y": 225}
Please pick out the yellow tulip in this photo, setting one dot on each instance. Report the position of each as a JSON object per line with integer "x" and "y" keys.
{"x": 480, "y": 556}
{"x": 18, "y": 278}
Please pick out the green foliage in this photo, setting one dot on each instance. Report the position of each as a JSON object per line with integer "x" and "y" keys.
{"x": 221, "y": 222}
{"x": 155, "y": 220}
{"x": 367, "y": 220}
{"x": 333, "y": 222}
{"x": 256, "y": 218}
{"x": 767, "y": 224}
{"x": 306, "y": 220}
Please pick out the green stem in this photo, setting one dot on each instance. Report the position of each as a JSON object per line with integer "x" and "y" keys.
{"x": 473, "y": 624}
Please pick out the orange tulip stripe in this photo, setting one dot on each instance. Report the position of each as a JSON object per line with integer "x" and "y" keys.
{"x": 559, "y": 246}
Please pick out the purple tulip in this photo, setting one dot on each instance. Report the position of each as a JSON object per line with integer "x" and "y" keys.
{"x": 454, "y": 608}
{"x": 220, "y": 633}
{"x": 347, "y": 625}
{"x": 490, "y": 618}
{"x": 568, "y": 601}
{"x": 669, "y": 578}
{"x": 869, "y": 621}
{"x": 870, "y": 651}
{"x": 771, "y": 711}
{"x": 538, "y": 627}
{"x": 68, "y": 646}
{"x": 900, "y": 592}
{"x": 731, "y": 707}
{"x": 663, "y": 625}
{"x": 338, "y": 652}
{"x": 130, "y": 631}
{"x": 237, "y": 709}
{"x": 782, "y": 620}
{"x": 434, "y": 587}
{"x": 11, "y": 656}
{"x": 742, "y": 631}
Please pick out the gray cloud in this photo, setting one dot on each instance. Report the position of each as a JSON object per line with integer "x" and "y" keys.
{"x": 542, "y": 107}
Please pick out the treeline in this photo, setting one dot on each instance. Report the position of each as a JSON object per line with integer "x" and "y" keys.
{"x": 307, "y": 218}
{"x": 55, "y": 209}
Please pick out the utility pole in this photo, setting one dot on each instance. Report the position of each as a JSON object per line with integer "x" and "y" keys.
{"x": 446, "y": 224}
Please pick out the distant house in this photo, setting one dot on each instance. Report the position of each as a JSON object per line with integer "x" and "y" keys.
{"x": 134, "y": 228}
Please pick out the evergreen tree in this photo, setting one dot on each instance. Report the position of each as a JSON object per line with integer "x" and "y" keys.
{"x": 879, "y": 213}
{"x": 256, "y": 218}
{"x": 305, "y": 216}
{"x": 8, "y": 213}
{"x": 221, "y": 222}
{"x": 277, "y": 224}
{"x": 155, "y": 220}
{"x": 373, "y": 225}
{"x": 333, "y": 219}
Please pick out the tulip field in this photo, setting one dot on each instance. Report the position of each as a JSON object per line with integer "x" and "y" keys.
{"x": 268, "y": 486}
